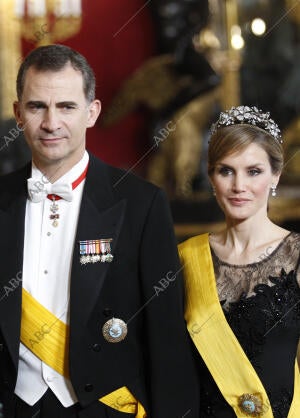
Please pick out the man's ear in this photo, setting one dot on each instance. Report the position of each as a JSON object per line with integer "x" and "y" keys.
{"x": 94, "y": 110}
{"x": 17, "y": 112}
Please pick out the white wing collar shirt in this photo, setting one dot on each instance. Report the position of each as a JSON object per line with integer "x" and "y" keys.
{"x": 48, "y": 248}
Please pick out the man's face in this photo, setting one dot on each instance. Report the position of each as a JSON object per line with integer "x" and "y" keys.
{"x": 55, "y": 114}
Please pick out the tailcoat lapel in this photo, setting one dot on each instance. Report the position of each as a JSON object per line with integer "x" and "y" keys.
{"x": 101, "y": 216}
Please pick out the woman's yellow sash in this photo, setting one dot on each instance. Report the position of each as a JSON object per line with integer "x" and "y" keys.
{"x": 216, "y": 342}
{"x": 48, "y": 338}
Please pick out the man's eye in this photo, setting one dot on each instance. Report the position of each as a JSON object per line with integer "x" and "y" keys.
{"x": 36, "y": 106}
{"x": 67, "y": 106}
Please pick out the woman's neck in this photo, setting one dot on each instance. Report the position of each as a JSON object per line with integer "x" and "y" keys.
{"x": 245, "y": 242}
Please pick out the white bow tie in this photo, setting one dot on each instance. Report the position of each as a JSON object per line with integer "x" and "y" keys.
{"x": 38, "y": 191}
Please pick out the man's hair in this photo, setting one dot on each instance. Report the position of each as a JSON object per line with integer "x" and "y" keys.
{"x": 55, "y": 58}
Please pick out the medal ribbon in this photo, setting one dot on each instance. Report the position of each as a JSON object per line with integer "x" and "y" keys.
{"x": 213, "y": 337}
{"x": 47, "y": 337}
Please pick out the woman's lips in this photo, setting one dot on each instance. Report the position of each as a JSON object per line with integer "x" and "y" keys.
{"x": 238, "y": 202}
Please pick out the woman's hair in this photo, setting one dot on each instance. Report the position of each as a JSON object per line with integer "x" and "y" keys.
{"x": 227, "y": 140}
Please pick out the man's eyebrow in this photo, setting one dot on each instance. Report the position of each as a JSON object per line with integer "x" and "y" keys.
{"x": 40, "y": 103}
{"x": 66, "y": 103}
{"x": 35, "y": 103}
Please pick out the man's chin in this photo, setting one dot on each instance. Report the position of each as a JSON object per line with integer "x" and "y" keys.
{"x": 49, "y": 158}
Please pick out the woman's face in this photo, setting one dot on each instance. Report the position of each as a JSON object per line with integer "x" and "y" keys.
{"x": 242, "y": 182}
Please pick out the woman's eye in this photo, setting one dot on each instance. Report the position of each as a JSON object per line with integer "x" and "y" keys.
{"x": 225, "y": 171}
{"x": 254, "y": 172}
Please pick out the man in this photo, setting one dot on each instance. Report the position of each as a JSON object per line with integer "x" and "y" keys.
{"x": 91, "y": 318}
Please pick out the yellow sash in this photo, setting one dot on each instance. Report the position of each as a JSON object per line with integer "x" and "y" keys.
{"x": 214, "y": 339}
{"x": 48, "y": 338}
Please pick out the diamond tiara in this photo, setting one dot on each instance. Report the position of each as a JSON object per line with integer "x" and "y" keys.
{"x": 249, "y": 116}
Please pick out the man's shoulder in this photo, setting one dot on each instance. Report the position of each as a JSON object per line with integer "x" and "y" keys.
{"x": 12, "y": 186}
{"x": 15, "y": 177}
{"x": 124, "y": 181}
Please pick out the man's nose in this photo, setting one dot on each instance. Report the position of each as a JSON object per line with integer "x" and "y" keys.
{"x": 51, "y": 121}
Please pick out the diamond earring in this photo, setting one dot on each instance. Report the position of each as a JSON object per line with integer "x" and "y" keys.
{"x": 273, "y": 190}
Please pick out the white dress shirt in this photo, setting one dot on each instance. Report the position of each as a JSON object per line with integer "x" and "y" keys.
{"x": 48, "y": 252}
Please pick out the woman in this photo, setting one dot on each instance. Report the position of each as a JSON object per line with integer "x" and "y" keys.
{"x": 242, "y": 284}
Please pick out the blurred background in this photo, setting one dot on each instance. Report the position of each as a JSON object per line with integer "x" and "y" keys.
{"x": 165, "y": 69}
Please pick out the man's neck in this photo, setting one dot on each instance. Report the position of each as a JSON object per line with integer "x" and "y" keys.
{"x": 55, "y": 171}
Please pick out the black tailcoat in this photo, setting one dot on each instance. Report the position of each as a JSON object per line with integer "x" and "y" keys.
{"x": 142, "y": 286}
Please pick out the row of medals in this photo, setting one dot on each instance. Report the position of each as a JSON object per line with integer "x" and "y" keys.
{"x": 94, "y": 258}
{"x": 93, "y": 251}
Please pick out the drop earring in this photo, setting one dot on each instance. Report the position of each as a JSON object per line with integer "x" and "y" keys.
{"x": 213, "y": 191}
{"x": 273, "y": 190}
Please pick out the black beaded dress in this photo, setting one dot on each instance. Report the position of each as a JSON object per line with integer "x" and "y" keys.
{"x": 261, "y": 302}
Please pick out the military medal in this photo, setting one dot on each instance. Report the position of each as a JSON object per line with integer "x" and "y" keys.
{"x": 251, "y": 404}
{"x": 96, "y": 250}
{"x": 105, "y": 250}
{"x": 114, "y": 330}
{"x": 54, "y": 216}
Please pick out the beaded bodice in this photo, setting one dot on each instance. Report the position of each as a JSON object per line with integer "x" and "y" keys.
{"x": 261, "y": 302}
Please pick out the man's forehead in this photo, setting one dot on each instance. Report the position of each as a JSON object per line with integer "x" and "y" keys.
{"x": 66, "y": 79}
{"x": 65, "y": 74}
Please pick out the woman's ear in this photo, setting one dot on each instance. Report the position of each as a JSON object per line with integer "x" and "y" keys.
{"x": 275, "y": 179}
{"x": 212, "y": 185}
